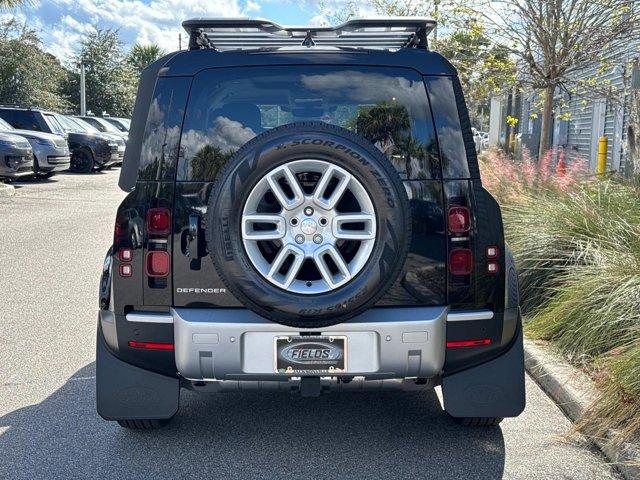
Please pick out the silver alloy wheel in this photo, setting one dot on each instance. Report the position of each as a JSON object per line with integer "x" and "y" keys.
{"x": 308, "y": 227}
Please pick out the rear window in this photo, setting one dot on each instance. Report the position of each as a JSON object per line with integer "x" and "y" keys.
{"x": 227, "y": 108}
{"x": 447, "y": 121}
{"x": 22, "y": 119}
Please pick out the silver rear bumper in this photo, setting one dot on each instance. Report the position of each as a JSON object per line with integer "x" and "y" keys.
{"x": 237, "y": 344}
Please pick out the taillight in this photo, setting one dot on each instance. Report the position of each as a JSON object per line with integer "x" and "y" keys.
{"x": 125, "y": 254}
{"x": 493, "y": 263}
{"x": 460, "y": 261}
{"x": 125, "y": 270}
{"x": 459, "y": 220}
{"x": 151, "y": 345}
{"x": 157, "y": 263}
{"x": 158, "y": 221}
{"x": 469, "y": 343}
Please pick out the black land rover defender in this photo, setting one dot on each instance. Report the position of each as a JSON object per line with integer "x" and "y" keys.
{"x": 306, "y": 213}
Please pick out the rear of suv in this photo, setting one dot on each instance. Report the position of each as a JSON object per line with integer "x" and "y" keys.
{"x": 305, "y": 212}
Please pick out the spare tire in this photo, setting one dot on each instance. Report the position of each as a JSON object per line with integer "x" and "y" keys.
{"x": 308, "y": 224}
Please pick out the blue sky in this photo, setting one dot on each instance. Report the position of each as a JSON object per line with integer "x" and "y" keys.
{"x": 62, "y": 23}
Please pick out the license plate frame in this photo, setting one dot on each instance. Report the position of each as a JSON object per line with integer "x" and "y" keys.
{"x": 301, "y": 355}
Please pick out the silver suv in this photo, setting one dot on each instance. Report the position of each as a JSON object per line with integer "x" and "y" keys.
{"x": 16, "y": 156}
{"x": 50, "y": 152}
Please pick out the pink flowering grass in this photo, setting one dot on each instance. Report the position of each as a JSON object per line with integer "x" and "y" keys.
{"x": 510, "y": 179}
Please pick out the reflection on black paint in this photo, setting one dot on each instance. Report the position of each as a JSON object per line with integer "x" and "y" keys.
{"x": 159, "y": 152}
{"x": 447, "y": 121}
{"x": 388, "y": 106}
{"x": 422, "y": 281}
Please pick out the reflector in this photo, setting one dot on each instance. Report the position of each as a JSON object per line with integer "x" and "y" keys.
{"x": 151, "y": 345}
{"x": 157, "y": 263}
{"x": 460, "y": 261}
{"x": 469, "y": 343}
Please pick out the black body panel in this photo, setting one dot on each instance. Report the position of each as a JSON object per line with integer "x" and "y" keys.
{"x": 124, "y": 391}
{"x": 493, "y": 389}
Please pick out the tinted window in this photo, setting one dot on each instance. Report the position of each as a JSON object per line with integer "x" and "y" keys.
{"x": 23, "y": 119}
{"x": 388, "y": 106}
{"x": 54, "y": 125}
{"x": 159, "y": 150}
{"x": 447, "y": 120}
{"x": 94, "y": 123}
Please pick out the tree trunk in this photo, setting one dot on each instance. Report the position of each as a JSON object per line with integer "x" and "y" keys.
{"x": 547, "y": 117}
{"x": 632, "y": 167}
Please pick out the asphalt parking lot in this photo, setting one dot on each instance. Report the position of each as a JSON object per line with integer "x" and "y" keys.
{"x": 54, "y": 235}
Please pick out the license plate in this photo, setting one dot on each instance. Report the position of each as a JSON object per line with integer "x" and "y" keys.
{"x": 310, "y": 355}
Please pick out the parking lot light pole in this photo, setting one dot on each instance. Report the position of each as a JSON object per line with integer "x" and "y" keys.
{"x": 83, "y": 99}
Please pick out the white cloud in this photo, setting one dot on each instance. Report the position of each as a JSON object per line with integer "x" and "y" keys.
{"x": 62, "y": 23}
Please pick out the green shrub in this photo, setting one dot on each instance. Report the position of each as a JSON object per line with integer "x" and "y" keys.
{"x": 577, "y": 248}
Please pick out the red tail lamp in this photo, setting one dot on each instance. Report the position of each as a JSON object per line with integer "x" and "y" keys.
{"x": 158, "y": 221}
{"x": 151, "y": 345}
{"x": 469, "y": 343}
{"x": 459, "y": 220}
{"x": 460, "y": 261}
{"x": 157, "y": 263}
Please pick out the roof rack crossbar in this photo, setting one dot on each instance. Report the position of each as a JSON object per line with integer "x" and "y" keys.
{"x": 241, "y": 33}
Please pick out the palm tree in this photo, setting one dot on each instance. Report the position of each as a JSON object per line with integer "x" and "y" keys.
{"x": 9, "y": 4}
{"x": 141, "y": 56}
{"x": 383, "y": 124}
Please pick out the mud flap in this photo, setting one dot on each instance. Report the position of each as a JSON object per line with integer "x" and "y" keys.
{"x": 126, "y": 392}
{"x": 493, "y": 389}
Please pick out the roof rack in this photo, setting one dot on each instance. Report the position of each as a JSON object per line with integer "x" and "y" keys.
{"x": 390, "y": 33}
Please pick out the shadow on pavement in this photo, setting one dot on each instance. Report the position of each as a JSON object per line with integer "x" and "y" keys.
{"x": 249, "y": 435}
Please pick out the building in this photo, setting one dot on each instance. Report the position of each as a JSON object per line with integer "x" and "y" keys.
{"x": 579, "y": 119}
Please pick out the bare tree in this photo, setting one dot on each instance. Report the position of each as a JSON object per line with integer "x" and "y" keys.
{"x": 554, "y": 40}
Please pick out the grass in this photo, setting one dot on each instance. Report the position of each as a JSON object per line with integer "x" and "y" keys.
{"x": 576, "y": 240}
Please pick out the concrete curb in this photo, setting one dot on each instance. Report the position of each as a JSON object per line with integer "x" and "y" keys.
{"x": 6, "y": 190}
{"x": 573, "y": 391}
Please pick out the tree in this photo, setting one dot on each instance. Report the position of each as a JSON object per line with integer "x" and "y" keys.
{"x": 110, "y": 80}
{"x": 554, "y": 40}
{"x": 28, "y": 74}
{"x": 141, "y": 56}
{"x": 484, "y": 67}
{"x": 9, "y": 4}
{"x": 382, "y": 124}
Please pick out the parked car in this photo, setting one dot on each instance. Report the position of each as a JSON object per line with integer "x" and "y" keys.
{"x": 122, "y": 124}
{"x": 16, "y": 156}
{"x": 88, "y": 150}
{"x": 73, "y": 124}
{"x": 309, "y": 224}
{"x": 51, "y": 151}
{"x": 103, "y": 126}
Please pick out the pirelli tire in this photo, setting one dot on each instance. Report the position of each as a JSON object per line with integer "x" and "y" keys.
{"x": 345, "y": 158}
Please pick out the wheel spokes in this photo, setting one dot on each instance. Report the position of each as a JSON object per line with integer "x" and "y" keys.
{"x": 326, "y": 197}
{"x": 288, "y": 200}
{"x": 324, "y": 257}
{"x": 354, "y": 226}
{"x": 284, "y": 269}
{"x": 261, "y": 226}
